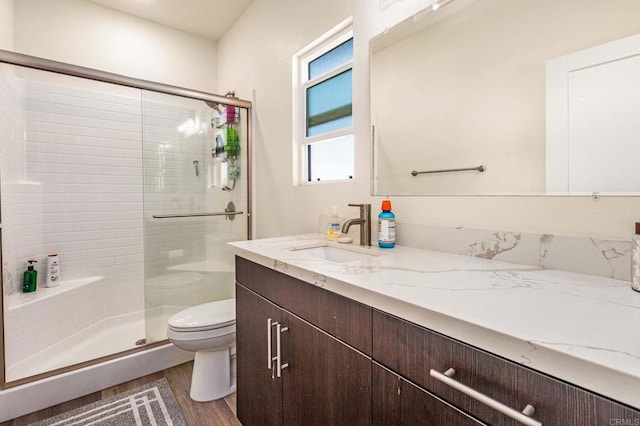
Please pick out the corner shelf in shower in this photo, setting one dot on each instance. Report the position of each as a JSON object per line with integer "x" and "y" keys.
{"x": 19, "y": 300}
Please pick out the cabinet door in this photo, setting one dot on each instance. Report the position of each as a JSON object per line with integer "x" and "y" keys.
{"x": 259, "y": 395}
{"x": 396, "y": 401}
{"x": 326, "y": 382}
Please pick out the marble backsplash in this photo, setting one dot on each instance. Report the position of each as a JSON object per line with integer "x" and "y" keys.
{"x": 587, "y": 255}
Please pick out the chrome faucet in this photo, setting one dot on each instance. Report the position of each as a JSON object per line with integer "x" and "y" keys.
{"x": 364, "y": 221}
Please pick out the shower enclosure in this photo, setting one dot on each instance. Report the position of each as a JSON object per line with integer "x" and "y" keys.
{"x": 137, "y": 187}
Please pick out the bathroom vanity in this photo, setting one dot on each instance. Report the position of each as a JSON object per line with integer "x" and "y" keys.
{"x": 328, "y": 334}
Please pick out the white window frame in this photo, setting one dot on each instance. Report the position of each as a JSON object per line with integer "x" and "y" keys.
{"x": 300, "y": 66}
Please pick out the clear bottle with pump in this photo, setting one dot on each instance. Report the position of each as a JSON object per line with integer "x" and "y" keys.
{"x": 386, "y": 226}
{"x": 30, "y": 278}
{"x": 333, "y": 228}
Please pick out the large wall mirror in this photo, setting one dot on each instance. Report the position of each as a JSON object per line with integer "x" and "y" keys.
{"x": 533, "y": 97}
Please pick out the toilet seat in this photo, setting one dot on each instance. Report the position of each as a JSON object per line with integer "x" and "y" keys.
{"x": 206, "y": 317}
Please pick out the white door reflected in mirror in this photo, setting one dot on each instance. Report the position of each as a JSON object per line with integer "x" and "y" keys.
{"x": 466, "y": 85}
{"x": 593, "y": 120}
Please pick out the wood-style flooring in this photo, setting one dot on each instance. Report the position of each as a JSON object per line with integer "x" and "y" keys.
{"x": 221, "y": 412}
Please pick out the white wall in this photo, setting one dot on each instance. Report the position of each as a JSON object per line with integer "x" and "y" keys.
{"x": 256, "y": 55}
{"x": 265, "y": 50}
{"x": 6, "y": 24}
{"x": 82, "y": 33}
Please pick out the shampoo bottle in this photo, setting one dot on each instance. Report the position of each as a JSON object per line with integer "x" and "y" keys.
{"x": 30, "y": 278}
{"x": 333, "y": 229}
{"x": 635, "y": 259}
{"x": 53, "y": 271}
{"x": 386, "y": 226}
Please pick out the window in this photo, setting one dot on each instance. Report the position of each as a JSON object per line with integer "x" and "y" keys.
{"x": 323, "y": 119}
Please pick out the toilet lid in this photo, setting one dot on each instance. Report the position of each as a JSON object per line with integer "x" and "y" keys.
{"x": 207, "y": 316}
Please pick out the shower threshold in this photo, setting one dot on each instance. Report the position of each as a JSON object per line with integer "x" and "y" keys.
{"x": 109, "y": 336}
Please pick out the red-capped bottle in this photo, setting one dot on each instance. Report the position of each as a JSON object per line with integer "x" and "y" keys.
{"x": 386, "y": 226}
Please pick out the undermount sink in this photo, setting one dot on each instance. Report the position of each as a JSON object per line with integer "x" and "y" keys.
{"x": 335, "y": 254}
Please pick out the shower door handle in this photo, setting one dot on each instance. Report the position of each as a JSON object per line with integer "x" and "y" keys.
{"x": 177, "y": 215}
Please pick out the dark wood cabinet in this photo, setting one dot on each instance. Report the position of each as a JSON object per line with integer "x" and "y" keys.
{"x": 419, "y": 350}
{"x": 346, "y": 363}
{"x": 322, "y": 381}
{"x": 398, "y": 402}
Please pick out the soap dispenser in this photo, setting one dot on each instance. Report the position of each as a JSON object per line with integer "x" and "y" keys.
{"x": 30, "y": 278}
{"x": 333, "y": 228}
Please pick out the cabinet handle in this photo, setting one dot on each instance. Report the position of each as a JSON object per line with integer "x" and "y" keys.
{"x": 522, "y": 417}
{"x": 279, "y": 365}
{"x": 270, "y": 357}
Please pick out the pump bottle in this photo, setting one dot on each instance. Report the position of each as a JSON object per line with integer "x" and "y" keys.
{"x": 30, "y": 278}
{"x": 333, "y": 228}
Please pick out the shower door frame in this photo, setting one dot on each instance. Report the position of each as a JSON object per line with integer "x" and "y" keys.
{"x": 34, "y": 62}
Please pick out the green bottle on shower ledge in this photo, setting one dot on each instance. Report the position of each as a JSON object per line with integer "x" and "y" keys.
{"x": 30, "y": 278}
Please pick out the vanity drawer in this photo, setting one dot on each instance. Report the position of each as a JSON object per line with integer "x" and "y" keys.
{"x": 395, "y": 401}
{"x": 413, "y": 351}
{"x": 343, "y": 318}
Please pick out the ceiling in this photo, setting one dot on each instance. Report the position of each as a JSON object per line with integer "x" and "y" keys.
{"x": 205, "y": 18}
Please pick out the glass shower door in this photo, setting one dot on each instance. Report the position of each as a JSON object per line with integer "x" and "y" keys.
{"x": 71, "y": 188}
{"x": 194, "y": 158}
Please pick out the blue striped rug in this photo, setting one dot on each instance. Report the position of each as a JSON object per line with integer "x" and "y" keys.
{"x": 151, "y": 404}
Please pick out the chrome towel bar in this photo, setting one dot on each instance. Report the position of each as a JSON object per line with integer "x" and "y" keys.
{"x": 480, "y": 169}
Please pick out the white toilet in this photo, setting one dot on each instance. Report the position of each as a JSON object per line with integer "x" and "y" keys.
{"x": 209, "y": 330}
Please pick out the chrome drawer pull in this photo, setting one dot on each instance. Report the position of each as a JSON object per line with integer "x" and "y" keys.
{"x": 279, "y": 365}
{"x": 269, "y": 344}
{"x": 522, "y": 417}
{"x": 270, "y": 357}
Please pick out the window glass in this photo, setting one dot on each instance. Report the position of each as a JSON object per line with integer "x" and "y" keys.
{"x": 323, "y": 101}
{"x": 331, "y": 159}
{"x": 329, "y": 104}
{"x": 331, "y": 60}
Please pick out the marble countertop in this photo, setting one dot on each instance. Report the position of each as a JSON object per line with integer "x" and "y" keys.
{"x": 580, "y": 328}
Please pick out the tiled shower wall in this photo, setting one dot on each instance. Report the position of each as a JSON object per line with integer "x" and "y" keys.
{"x": 83, "y": 155}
